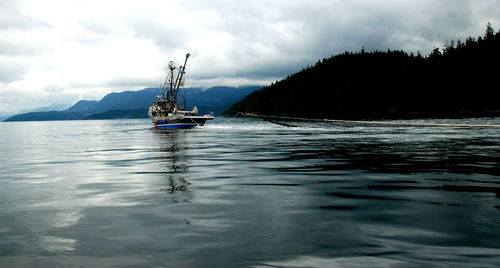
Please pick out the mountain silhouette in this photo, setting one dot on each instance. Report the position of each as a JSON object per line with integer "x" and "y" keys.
{"x": 134, "y": 104}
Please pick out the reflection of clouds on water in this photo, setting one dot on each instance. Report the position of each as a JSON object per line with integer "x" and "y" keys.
{"x": 57, "y": 244}
{"x": 252, "y": 194}
{"x": 317, "y": 262}
{"x": 67, "y": 218}
{"x": 459, "y": 255}
{"x": 431, "y": 256}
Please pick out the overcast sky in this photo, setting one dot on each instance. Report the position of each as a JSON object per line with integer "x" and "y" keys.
{"x": 61, "y": 51}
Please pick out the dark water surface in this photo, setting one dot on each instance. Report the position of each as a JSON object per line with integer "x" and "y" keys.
{"x": 248, "y": 194}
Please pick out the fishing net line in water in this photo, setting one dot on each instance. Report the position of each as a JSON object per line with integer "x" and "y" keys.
{"x": 292, "y": 122}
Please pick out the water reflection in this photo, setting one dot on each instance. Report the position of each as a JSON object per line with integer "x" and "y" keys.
{"x": 172, "y": 145}
{"x": 261, "y": 196}
{"x": 57, "y": 244}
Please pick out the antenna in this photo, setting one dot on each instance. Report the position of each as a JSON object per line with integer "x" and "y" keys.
{"x": 171, "y": 65}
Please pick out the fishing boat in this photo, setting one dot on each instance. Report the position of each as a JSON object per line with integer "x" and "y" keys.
{"x": 167, "y": 112}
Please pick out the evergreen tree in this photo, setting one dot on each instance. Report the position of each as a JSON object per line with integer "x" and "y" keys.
{"x": 490, "y": 33}
{"x": 435, "y": 53}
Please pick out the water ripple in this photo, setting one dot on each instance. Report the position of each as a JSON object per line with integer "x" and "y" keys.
{"x": 248, "y": 194}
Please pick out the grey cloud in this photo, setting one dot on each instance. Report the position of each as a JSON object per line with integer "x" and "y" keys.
{"x": 15, "y": 102}
{"x": 12, "y": 17}
{"x": 13, "y": 47}
{"x": 165, "y": 33}
{"x": 297, "y": 32}
{"x": 270, "y": 39}
{"x": 335, "y": 29}
{"x": 96, "y": 26}
{"x": 13, "y": 24}
{"x": 11, "y": 69}
{"x": 126, "y": 83}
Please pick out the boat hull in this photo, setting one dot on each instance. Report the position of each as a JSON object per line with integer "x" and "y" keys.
{"x": 175, "y": 126}
{"x": 181, "y": 123}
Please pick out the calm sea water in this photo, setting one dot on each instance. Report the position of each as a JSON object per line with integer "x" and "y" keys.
{"x": 247, "y": 193}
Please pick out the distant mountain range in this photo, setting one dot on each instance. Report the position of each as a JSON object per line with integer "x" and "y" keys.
{"x": 54, "y": 107}
{"x": 4, "y": 115}
{"x": 134, "y": 104}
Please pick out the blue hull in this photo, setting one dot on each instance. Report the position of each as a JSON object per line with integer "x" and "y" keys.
{"x": 175, "y": 126}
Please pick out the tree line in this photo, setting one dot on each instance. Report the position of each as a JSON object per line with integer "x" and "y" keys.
{"x": 459, "y": 80}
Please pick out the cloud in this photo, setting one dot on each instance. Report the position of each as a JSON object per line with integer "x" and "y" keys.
{"x": 86, "y": 49}
{"x": 12, "y": 16}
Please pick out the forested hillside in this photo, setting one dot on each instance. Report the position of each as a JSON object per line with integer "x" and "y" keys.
{"x": 458, "y": 80}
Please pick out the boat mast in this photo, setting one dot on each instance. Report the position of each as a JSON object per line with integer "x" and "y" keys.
{"x": 164, "y": 92}
{"x": 178, "y": 80}
{"x": 171, "y": 66}
{"x": 182, "y": 71}
{"x": 170, "y": 95}
{"x": 170, "y": 80}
